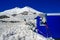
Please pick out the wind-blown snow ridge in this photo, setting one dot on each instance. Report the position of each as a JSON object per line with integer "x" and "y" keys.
{"x": 20, "y": 24}
{"x": 17, "y": 9}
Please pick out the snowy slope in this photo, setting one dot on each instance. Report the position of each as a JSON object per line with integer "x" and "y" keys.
{"x": 20, "y": 25}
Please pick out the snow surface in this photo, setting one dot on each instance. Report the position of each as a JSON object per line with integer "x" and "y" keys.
{"x": 21, "y": 26}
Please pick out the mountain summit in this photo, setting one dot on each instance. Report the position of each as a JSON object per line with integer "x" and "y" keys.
{"x": 20, "y": 13}
{"x": 19, "y": 10}
{"x": 20, "y": 24}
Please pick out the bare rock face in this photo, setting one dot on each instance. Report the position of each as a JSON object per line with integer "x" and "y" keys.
{"x": 20, "y": 25}
{"x": 3, "y": 16}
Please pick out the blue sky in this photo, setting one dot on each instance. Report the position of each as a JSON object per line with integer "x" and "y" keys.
{"x": 47, "y": 6}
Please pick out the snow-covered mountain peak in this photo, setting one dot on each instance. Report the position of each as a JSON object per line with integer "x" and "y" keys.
{"x": 20, "y": 13}
{"x": 19, "y": 24}
{"x": 18, "y": 10}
